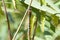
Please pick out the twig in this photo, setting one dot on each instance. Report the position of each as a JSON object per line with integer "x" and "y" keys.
{"x": 5, "y": 11}
{"x": 21, "y": 21}
{"x": 29, "y": 28}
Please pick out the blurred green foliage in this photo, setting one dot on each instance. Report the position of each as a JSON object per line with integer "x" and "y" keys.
{"x": 49, "y": 9}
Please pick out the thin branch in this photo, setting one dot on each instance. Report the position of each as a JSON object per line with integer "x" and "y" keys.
{"x": 29, "y": 28}
{"x": 5, "y": 11}
{"x": 21, "y": 21}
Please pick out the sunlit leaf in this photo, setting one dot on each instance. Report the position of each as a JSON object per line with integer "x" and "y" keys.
{"x": 36, "y": 5}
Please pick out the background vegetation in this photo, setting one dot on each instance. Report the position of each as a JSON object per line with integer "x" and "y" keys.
{"x": 44, "y": 20}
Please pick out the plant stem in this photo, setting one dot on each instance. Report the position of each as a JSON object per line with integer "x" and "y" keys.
{"x": 21, "y": 21}
{"x": 34, "y": 29}
{"x": 29, "y": 28}
{"x": 5, "y": 11}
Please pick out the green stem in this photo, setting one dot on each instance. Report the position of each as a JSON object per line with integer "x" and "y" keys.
{"x": 34, "y": 30}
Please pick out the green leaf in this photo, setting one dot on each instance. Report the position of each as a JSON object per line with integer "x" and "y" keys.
{"x": 38, "y": 6}
{"x": 55, "y": 20}
{"x": 42, "y": 2}
{"x": 42, "y": 20}
{"x": 52, "y": 27}
{"x": 53, "y": 6}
